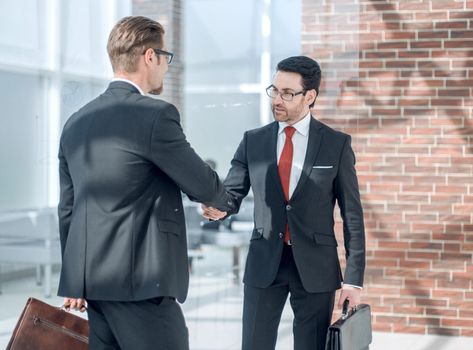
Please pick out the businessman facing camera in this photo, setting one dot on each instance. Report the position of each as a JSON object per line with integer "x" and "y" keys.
{"x": 297, "y": 168}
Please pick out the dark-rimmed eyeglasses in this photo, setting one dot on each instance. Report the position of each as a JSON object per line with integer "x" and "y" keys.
{"x": 272, "y": 92}
{"x": 169, "y": 55}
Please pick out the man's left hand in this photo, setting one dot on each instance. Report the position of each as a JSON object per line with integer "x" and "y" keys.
{"x": 351, "y": 293}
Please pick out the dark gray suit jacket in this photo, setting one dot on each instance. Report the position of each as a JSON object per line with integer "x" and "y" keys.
{"x": 328, "y": 176}
{"x": 124, "y": 160}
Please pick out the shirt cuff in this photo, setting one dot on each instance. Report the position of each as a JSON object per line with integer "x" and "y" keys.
{"x": 351, "y": 285}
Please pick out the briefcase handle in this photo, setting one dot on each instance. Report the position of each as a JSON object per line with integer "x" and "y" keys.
{"x": 63, "y": 307}
{"x": 345, "y": 311}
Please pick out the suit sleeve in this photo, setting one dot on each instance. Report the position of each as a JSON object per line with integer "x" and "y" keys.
{"x": 171, "y": 152}
{"x": 348, "y": 197}
{"x": 237, "y": 181}
{"x": 66, "y": 199}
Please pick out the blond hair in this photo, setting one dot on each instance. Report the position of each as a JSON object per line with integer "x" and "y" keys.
{"x": 130, "y": 38}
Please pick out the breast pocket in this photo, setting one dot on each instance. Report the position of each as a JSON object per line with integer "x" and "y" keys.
{"x": 323, "y": 177}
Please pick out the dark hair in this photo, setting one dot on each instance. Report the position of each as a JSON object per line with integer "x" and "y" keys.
{"x": 308, "y": 68}
{"x": 129, "y": 39}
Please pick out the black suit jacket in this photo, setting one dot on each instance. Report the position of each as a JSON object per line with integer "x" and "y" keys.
{"x": 328, "y": 176}
{"x": 123, "y": 161}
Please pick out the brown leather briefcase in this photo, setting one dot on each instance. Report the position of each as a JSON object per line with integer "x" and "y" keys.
{"x": 42, "y": 326}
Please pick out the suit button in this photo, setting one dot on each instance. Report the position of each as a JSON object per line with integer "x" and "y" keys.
{"x": 281, "y": 235}
{"x": 288, "y": 207}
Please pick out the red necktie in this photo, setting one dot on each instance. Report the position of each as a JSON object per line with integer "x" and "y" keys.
{"x": 284, "y": 167}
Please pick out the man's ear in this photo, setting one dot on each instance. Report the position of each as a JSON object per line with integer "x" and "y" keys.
{"x": 310, "y": 96}
{"x": 149, "y": 53}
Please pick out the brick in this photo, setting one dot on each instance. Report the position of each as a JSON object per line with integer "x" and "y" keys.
{"x": 431, "y": 302}
{"x": 392, "y": 45}
{"x": 390, "y": 272}
{"x": 409, "y": 310}
{"x": 413, "y": 102}
{"x": 416, "y": 292}
{"x": 424, "y": 321}
{"x": 380, "y": 54}
{"x": 384, "y": 262}
{"x": 430, "y": 15}
{"x": 422, "y": 255}
{"x": 434, "y": 274}
{"x": 433, "y": 35}
{"x": 414, "y": 5}
{"x": 466, "y": 332}
{"x": 461, "y": 34}
{"x": 450, "y": 266}
{"x": 414, "y": 264}
{"x": 457, "y": 322}
{"x": 400, "y": 35}
{"x": 460, "y": 14}
{"x": 382, "y": 327}
{"x": 401, "y": 64}
{"x": 428, "y": 45}
{"x": 446, "y": 293}
{"x": 390, "y": 319}
{"x": 384, "y": 26}
{"x": 456, "y": 283}
{"x": 441, "y": 312}
{"x": 458, "y": 44}
{"x": 426, "y": 245}
{"x": 450, "y": 74}
{"x": 454, "y": 92}
{"x": 384, "y": 282}
{"x": 413, "y": 54}
{"x": 389, "y": 254}
{"x": 444, "y": 331}
{"x": 466, "y": 314}
{"x": 453, "y": 247}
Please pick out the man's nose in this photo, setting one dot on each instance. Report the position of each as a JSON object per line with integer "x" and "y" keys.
{"x": 278, "y": 100}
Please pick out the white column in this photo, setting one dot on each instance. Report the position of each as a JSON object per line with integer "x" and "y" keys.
{"x": 265, "y": 63}
{"x": 53, "y": 98}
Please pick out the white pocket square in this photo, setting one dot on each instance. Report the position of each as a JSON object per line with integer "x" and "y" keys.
{"x": 322, "y": 166}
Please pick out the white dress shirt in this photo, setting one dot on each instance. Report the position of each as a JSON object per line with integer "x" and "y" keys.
{"x": 299, "y": 141}
{"x": 129, "y": 82}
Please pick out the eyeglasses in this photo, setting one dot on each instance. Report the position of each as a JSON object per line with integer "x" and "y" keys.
{"x": 169, "y": 55}
{"x": 272, "y": 92}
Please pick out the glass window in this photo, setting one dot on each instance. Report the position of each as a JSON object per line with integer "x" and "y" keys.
{"x": 21, "y": 139}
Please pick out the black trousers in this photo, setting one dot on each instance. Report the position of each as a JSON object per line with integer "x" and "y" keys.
{"x": 262, "y": 309}
{"x": 149, "y": 324}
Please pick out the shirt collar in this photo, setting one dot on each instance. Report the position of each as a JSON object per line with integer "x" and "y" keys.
{"x": 302, "y": 126}
{"x": 129, "y": 82}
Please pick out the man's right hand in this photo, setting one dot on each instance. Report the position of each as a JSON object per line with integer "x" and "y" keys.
{"x": 75, "y": 304}
{"x": 211, "y": 213}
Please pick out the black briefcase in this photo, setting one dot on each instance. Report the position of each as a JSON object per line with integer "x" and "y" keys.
{"x": 352, "y": 331}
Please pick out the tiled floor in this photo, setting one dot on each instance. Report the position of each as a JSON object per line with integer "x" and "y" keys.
{"x": 213, "y": 312}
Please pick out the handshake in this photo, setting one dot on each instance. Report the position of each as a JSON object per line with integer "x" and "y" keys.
{"x": 211, "y": 213}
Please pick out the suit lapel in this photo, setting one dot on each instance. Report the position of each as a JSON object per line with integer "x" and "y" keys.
{"x": 313, "y": 146}
{"x": 273, "y": 158}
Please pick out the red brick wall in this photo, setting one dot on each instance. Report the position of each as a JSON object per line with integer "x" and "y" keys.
{"x": 169, "y": 14}
{"x": 398, "y": 76}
